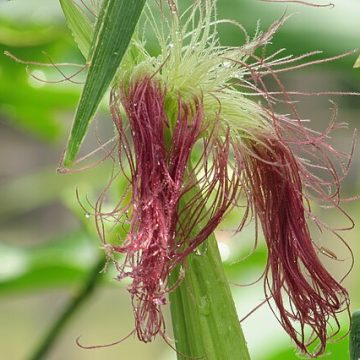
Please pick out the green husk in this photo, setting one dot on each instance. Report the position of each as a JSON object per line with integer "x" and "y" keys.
{"x": 204, "y": 317}
{"x": 355, "y": 336}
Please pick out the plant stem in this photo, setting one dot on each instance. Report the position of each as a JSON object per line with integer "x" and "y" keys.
{"x": 203, "y": 312}
{"x": 69, "y": 310}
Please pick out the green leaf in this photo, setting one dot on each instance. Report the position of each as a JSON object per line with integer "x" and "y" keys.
{"x": 79, "y": 25}
{"x": 25, "y": 103}
{"x": 337, "y": 349}
{"x": 62, "y": 262}
{"x": 254, "y": 263}
{"x": 44, "y": 187}
{"x": 113, "y": 32}
{"x": 12, "y": 34}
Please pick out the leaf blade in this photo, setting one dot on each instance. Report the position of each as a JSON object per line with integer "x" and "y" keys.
{"x": 79, "y": 26}
{"x": 118, "y": 20}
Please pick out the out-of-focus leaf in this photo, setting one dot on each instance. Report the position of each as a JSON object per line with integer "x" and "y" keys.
{"x": 255, "y": 262}
{"x": 24, "y": 102}
{"x": 34, "y": 110}
{"x": 12, "y": 35}
{"x": 79, "y": 24}
{"x": 43, "y": 187}
{"x": 115, "y": 27}
{"x": 336, "y": 350}
{"x": 58, "y": 263}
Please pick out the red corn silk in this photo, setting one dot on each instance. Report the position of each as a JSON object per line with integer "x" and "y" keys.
{"x": 157, "y": 153}
{"x": 154, "y": 152}
{"x": 302, "y": 289}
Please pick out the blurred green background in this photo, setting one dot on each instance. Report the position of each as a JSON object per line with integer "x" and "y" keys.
{"x": 47, "y": 241}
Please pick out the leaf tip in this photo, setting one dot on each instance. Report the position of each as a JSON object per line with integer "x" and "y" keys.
{"x": 357, "y": 63}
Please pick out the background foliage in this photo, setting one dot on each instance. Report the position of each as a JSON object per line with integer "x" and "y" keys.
{"x": 48, "y": 242}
